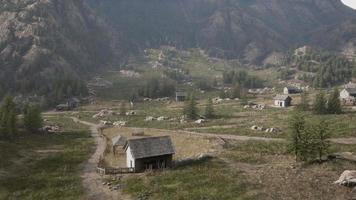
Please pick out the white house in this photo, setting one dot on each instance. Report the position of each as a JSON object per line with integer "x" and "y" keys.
{"x": 282, "y": 101}
{"x": 149, "y": 153}
{"x": 348, "y": 95}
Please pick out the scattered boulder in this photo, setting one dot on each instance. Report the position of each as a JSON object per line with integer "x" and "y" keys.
{"x": 162, "y": 118}
{"x": 106, "y": 123}
{"x": 104, "y": 113}
{"x": 50, "y": 129}
{"x": 200, "y": 121}
{"x": 149, "y": 119}
{"x": 130, "y": 113}
{"x": 120, "y": 123}
{"x": 347, "y": 178}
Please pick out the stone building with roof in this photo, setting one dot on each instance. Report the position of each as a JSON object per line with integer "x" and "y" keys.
{"x": 149, "y": 153}
{"x": 282, "y": 101}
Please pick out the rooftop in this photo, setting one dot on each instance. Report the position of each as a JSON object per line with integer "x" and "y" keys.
{"x": 281, "y": 97}
{"x": 150, "y": 146}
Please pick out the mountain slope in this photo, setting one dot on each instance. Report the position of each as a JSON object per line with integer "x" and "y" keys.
{"x": 43, "y": 42}
{"x": 245, "y": 29}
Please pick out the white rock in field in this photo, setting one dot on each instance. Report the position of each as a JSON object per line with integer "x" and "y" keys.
{"x": 149, "y": 119}
{"x": 162, "y": 118}
{"x": 347, "y": 178}
{"x": 200, "y": 121}
{"x": 119, "y": 123}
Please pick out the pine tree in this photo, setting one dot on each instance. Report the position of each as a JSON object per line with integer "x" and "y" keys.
{"x": 8, "y": 119}
{"x": 190, "y": 109}
{"x": 236, "y": 92}
{"x": 321, "y": 143}
{"x": 334, "y": 104}
{"x": 123, "y": 109}
{"x": 209, "y": 109}
{"x": 32, "y": 119}
{"x": 297, "y": 127}
{"x": 320, "y": 104}
{"x": 304, "y": 103}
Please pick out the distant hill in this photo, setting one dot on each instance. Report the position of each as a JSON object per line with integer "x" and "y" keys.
{"x": 48, "y": 46}
{"x": 246, "y": 29}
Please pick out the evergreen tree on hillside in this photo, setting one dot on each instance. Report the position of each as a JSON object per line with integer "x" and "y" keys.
{"x": 8, "y": 119}
{"x": 320, "y": 104}
{"x": 334, "y": 104}
{"x": 209, "y": 110}
{"x": 297, "y": 128}
{"x": 321, "y": 143}
{"x": 190, "y": 108}
{"x": 304, "y": 103}
{"x": 32, "y": 119}
{"x": 123, "y": 109}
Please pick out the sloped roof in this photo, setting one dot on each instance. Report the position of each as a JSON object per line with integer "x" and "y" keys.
{"x": 351, "y": 91}
{"x": 292, "y": 88}
{"x": 150, "y": 146}
{"x": 118, "y": 141}
{"x": 282, "y": 97}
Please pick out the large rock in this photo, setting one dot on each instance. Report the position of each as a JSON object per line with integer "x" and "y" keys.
{"x": 347, "y": 178}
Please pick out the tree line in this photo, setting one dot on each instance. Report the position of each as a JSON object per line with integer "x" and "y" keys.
{"x": 322, "y": 104}
{"x": 9, "y": 122}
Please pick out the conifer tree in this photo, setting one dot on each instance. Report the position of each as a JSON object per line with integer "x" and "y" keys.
{"x": 123, "y": 109}
{"x": 334, "y": 104}
{"x": 320, "y": 104}
{"x": 8, "y": 119}
{"x": 304, "y": 103}
{"x": 32, "y": 119}
{"x": 297, "y": 127}
{"x": 209, "y": 110}
{"x": 190, "y": 108}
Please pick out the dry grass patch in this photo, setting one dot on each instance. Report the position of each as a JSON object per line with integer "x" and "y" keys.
{"x": 186, "y": 145}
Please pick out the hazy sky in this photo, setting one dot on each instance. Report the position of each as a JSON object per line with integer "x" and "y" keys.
{"x": 351, "y": 3}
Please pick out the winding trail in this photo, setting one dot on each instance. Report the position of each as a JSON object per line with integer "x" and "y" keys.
{"x": 92, "y": 181}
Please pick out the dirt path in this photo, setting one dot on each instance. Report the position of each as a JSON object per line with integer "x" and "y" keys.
{"x": 351, "y": 140}
{"x": 92, "y": 181}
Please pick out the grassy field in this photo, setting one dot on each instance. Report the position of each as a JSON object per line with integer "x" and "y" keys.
{"x": 245, "y": 170}
{"x": 45, "y": 166}
{"x": 205, "y": 180}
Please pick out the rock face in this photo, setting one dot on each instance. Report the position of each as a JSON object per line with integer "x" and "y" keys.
{"x": 347, "y": 178}
{"x": 251, "y": 30}
{"x": 45, "y": 40}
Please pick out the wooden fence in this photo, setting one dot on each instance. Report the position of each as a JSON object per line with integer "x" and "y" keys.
{"x": 112, "y": 170}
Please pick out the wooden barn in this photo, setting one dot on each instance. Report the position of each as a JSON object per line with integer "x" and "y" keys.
{"x": 149, "y": 153}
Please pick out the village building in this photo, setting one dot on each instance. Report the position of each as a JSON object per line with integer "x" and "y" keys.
{"x": 282, "y": 101}
{"x": 149, "y": 153}
{"x": 118, "y": 142}
{"x": 348, "y": 96}
{"x": 181, "y": 96}
{"x": 70, "y": 104}
{"x": 291, "y": 90}
{"x": 350, "y": 85}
